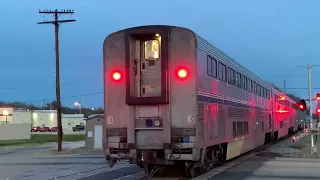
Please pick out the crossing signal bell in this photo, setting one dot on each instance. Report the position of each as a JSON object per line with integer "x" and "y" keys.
{"x": 302, "y": 105}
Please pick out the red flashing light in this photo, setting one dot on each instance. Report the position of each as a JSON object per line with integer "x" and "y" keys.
{"x": 282, "y": 98}
{"x": 182, "y": 73}
{"x": 301, "y": 106}
{"x": 318, "y": 97}
{"x": 318, "y": 110}
{"x": 116, "y": 76}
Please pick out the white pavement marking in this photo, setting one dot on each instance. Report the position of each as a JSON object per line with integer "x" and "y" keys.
{"x": 132, "y": 176}
{"x": 224, "y": 167}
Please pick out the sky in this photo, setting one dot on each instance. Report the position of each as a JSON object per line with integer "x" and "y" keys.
{"x": 269, "y": 38}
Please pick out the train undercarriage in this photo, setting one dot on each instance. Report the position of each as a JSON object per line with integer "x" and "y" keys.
{"x": 181, "y": 159}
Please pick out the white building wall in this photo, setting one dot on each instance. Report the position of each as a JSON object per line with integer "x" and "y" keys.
{"x": 3, "y": 117}
{"x": 44, "y": 118}
{"x": 21, "y": 117}
{"x": 71, "y": 120}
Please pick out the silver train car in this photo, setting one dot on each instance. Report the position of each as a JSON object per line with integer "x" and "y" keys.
{"x": 172, "y": 98}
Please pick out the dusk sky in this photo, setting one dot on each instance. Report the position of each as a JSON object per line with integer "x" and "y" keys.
{"x": 269, "y": 38}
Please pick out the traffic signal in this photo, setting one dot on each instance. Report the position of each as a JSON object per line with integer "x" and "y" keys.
{"x": 302, "y": 105}
{"x": 318, "y": 97}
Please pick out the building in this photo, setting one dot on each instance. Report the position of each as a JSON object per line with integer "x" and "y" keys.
{"x": 71, "y": 120}
{"x": 9, "y": 115}
{"x": 14, "y": 124}
{"x": 42, "y": 118}
{"x": 48, "y": 118}
{"x": 94, "y": 124}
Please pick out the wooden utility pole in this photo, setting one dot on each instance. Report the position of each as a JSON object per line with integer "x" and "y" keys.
{"x": 56, "y": 23}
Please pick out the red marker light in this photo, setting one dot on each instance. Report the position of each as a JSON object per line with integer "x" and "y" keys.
{"x": 182, "y": 73}
{"x": 116, "y": 76}
{"x": 301, "y": 106}
{"x": 318, "y": 110}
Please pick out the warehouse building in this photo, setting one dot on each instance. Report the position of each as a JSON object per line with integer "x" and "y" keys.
{"x": 42, "y": 118}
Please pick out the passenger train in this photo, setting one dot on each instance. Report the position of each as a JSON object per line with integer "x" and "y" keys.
{"x": 172, "y": 98}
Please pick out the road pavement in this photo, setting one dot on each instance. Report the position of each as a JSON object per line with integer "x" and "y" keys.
{"x": 31, "y": 163}
{"x": 265, "y": 167}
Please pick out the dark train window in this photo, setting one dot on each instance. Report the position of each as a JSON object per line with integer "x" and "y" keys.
{"x": 258, "y": 90}
{"x": 249, "y": 85}
{"x": 211, "y": 67}
{"x": 262, "y": 126}
{"x": 231, "y": 78}
{"x": 238, "y": 79}
{"x": 268, "y": 94}
{"x": 244, "y": 83}
{"x": 281, "y": 124}
{"x": 239, "y": 128}
{"x": 264, "y": 92}
{"x": 245, "y": 128}
{"x": 234, "y": 129}
{"x": 222, "y": 72}
{"x": 254, "y": 87}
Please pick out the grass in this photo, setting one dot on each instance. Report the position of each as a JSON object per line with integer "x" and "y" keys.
{"x": 43, "y": 138}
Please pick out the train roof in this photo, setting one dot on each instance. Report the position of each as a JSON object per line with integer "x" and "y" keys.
{"x": 198, "y": 38}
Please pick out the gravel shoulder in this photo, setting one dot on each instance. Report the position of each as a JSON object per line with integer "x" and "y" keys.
{"x": 298, "y": 149}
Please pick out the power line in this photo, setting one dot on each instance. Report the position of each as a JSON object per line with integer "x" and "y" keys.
{"x": 27, "y": 87}
{"x": 65, "y": 97}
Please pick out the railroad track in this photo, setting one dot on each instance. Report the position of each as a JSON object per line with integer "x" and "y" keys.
{"x": 263, "y": 147}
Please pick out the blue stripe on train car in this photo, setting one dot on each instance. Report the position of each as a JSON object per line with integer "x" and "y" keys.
{"x": 227, "y": 102}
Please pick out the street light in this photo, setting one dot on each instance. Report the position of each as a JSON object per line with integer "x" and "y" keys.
{"x": 6, "y": 113}
{"x": 79, "y": 105}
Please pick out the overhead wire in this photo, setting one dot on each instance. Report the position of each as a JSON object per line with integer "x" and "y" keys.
{"x": 65, "y": 97}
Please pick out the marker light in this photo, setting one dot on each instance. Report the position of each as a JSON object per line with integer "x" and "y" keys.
{"x": 116, "y": 76}
{"x": 301, "y": 106}
{"x": 182, "y": 73}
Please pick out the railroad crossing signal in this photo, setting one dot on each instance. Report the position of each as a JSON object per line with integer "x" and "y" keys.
{"x": 317, "y": 110}
{"x": 302, "y": 105}
{"x": 318, "y": 97}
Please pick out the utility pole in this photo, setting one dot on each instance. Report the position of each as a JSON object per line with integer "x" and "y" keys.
{"x": 313, "y": 147}
{"x": 56, "y": 24}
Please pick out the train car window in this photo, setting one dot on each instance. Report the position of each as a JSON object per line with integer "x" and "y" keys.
{"x": 244, "y": 83}
{"x": 152, "y": 50}
{"x": 268, "y": 94}
{"x": 270, "y": 125}
{"x": 275, "y": 99}
{"x": 262, "y": 126}
{"x": 238, "y": 79}
{"x": 281, "y": 124}
{"x": 211, "y": 66}
{"x": 258, "y": 89}
{"x": 254, "y": 87}
{"x": 231, "y": 78}
{"x": 245, "y": 128}
{"x": 264, "y": 92}
{"x": 234, "y": 129}
{"x": 239, "y": 128}
{"x": 222, "y": 72}
{"x": 249, "y": 85}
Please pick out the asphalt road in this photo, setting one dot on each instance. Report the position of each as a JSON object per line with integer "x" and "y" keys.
{"x": 266, "y": 167}
{"x": 30, "y": 163}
